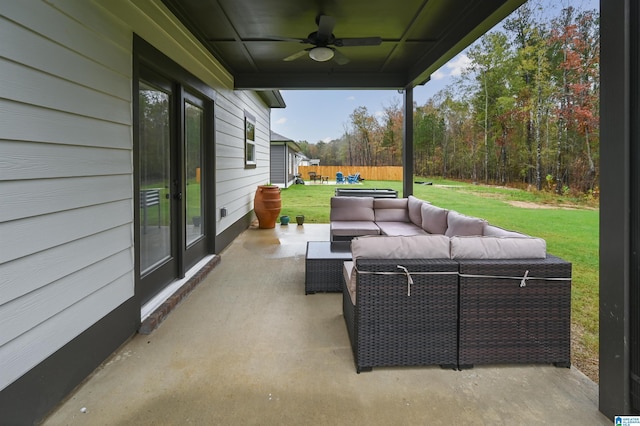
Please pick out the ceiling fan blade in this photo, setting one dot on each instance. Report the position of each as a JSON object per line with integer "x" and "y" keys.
{"x": 293, "y": 40}
{"x": 359, "y": 41}
{"x": 295, "y": 55}
{"x": 325, "y": 27}
{"x": 339, "y": 58}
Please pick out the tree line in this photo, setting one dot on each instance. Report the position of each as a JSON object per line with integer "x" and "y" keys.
{"x": 526, "y": 111}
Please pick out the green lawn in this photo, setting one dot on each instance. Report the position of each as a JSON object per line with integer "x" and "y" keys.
{"x": 570, "y": 227}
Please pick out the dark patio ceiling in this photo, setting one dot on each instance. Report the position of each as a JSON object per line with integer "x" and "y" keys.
{"x": 418, "y": 37}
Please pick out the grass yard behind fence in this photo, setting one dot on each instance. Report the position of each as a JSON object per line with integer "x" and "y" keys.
{"x": 570, "y": 227}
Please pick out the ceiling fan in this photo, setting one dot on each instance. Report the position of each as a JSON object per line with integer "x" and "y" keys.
{"x": 323, "y": 41}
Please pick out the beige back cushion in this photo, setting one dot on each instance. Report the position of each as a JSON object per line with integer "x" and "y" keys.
{"x": 434, "y": 219}
{"x": 401, "y": 247}
{"x": 391, "y": 209}
{"x": 496, "y": 231}
{"x": 498, "y": 248}
{"x": 415, "y": 213}
{"x": 352, "y": 208}
{"x": 461, "y": 225}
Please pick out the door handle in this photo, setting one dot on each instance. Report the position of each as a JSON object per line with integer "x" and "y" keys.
{"x": 178, "y": 196}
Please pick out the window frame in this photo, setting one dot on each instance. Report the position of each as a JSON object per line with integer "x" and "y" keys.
{"x": 250, "y": 160}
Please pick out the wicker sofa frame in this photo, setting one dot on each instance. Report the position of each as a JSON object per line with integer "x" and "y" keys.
{"x": 460, "y": 313}
{"x": 513, "y": 299}
{"x": 388, "y": 327}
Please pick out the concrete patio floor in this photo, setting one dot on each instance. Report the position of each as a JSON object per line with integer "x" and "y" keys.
{"x": 247, "y": 347}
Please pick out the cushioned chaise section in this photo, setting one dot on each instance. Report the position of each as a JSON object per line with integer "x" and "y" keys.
{"x": 498, "y": 248}
{"x": 401, "y": 247}
{"x": 459, "y": 224}
{"x": 391, "y": 209}
{"x": 353, "y": 228}
{"x": 352, "y": 208}
{"x": 400, "y": 228}
{"x": 434, "y": 219}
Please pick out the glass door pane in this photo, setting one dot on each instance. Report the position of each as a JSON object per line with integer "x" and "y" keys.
{"x": 155, "y": 177}
{"x": 194, "y": 126}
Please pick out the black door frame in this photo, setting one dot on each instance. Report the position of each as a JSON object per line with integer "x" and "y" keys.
{"x": 147, "y": 59}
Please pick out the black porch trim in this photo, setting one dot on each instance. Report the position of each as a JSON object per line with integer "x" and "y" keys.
{"x": 228, "y": 235}
{"x": 619, "y": 32}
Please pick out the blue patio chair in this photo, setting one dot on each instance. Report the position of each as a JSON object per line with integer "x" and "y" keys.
{"x": 353, "y": 178}
{"x": 340, "y": 178}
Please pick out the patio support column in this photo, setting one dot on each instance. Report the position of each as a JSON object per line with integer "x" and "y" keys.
{"x": 407, "y": 143}
{"x": 619, "y": 100}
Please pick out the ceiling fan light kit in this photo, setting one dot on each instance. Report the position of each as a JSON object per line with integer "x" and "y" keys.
{"x": 321, "y": 54}
{"x": 323, "y": 38}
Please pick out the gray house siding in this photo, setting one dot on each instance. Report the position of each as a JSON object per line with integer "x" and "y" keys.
{"x": 283, "y": 160}
{"x": 65, "y": 181}
{"x": 67, "y": 276}
{"x": 279, "y": 165}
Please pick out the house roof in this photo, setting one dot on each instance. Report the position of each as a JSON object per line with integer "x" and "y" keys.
{"x": 278, "y": 139}
{"x": 252, "y": 37}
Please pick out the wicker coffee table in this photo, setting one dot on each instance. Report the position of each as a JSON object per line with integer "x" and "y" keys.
{"x": 323, "y": 265}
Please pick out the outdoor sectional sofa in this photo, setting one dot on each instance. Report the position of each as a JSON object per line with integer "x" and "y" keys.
{"x": 454, "y": 291}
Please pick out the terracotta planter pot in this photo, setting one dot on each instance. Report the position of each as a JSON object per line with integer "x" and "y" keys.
{"x": 267, "y": 205}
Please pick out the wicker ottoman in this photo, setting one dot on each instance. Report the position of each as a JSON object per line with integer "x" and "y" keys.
{"x": 389, "y": 327}
{"x": 323, "y": 266}
{"x": 505, "y": 320}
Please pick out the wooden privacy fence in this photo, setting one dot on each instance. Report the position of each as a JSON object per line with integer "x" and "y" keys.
{"x": 366, "y": 172}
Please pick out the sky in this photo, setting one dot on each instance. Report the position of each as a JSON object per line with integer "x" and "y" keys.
{"x": 323, "y": 115}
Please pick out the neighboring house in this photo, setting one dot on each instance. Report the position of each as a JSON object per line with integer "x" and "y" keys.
{"x": 285, "y": 159}
{"x": 94, "y": 181}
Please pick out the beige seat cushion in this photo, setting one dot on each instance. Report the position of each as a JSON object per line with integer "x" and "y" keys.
{"x": 400, "y": 228}
{"x": 353, "y": 228}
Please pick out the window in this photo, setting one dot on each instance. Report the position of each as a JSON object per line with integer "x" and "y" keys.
{"x": 249, "y": 140}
